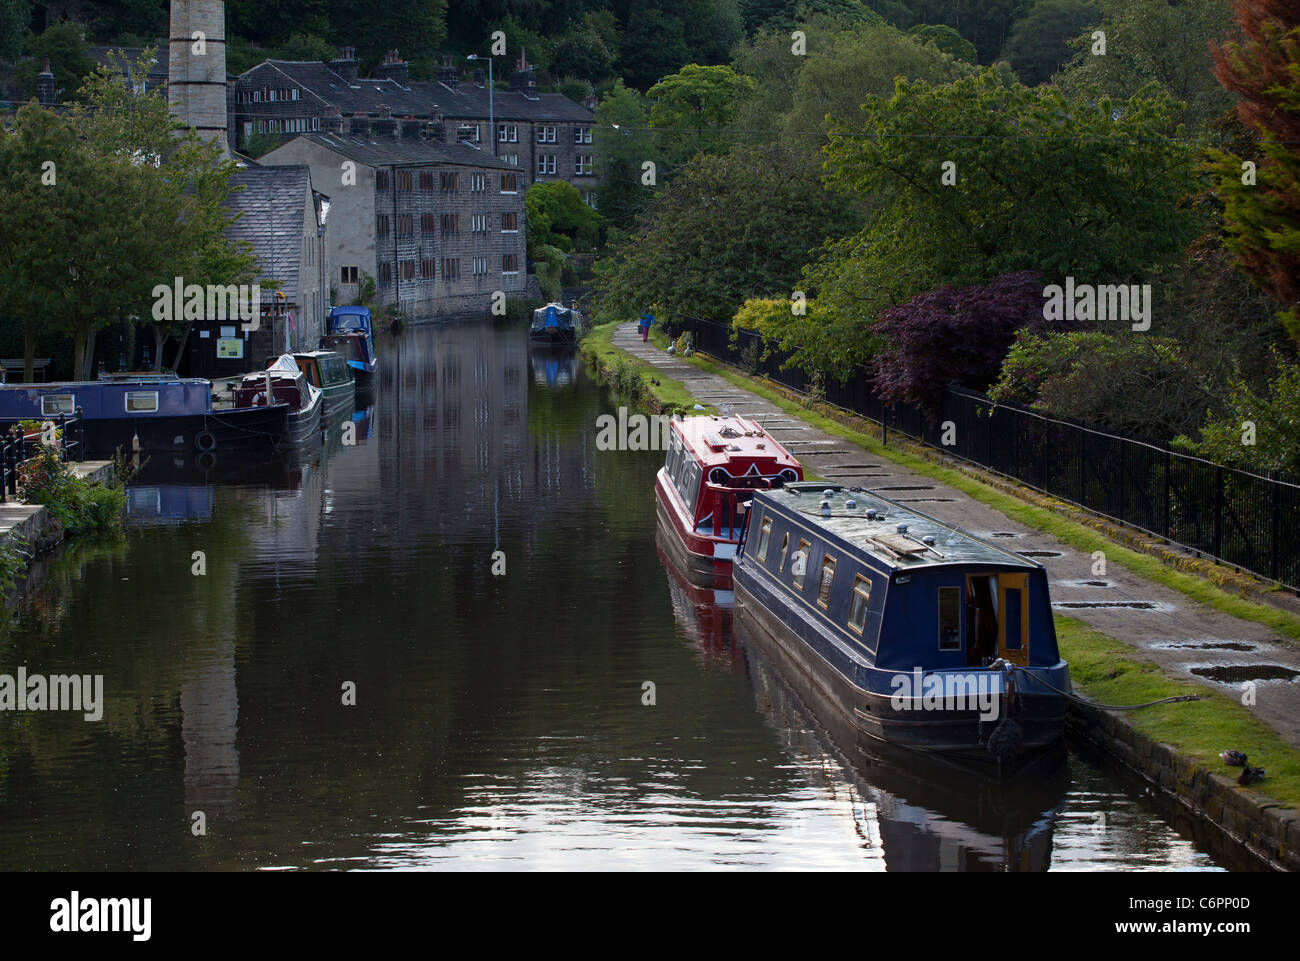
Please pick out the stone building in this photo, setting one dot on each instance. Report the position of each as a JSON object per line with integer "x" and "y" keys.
{"x": 545, "y": 136}
{"x": 284, "y": 220}
{"x": 196, "y": 68}
{"x": 440, "y": 227}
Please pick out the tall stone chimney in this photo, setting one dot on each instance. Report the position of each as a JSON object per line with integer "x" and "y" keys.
{"x": 394, "y": 68}
{"x": 45, "y": 85}
{"x": 196, "y": 83}
{"x": 524, "y": 79}
{"x": 448, "y": 74}
{"x": 346, "y": 64}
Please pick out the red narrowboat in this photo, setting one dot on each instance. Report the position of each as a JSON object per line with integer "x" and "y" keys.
{"x": 714, "y": 466}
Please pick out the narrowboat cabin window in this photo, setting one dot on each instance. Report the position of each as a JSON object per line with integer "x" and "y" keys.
{"x": 950, "y": 618}
{"x": 52, "y": 405}
{"x": 141, "y": 401}
{"x": 785, "y": 546}
{"x": 827, "y": 579}
{"x": 861, "y": 600}
{"x": 764, "y": 537}
{"x": 799, "y": 563}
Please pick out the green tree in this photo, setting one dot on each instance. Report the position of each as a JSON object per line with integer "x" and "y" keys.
{"x": 1275, "y": 417}
{"x": 557, "y": 216}
{"x": 1263, "y": 211}
{"x": 1040, "y": 43}
{"x": 727, "y": 229}
{"x": 15, "y": 15}
{"x": 65, "y": 44}
{"x": 693, "y": 107}
{"x": 1009, "y": 153}
{"x": 1162, "y": 41}
{"x": 946, "y": 39}
{"x": 623, "y": 143}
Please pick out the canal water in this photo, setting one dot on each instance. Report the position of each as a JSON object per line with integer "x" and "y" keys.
{"x": 499, "y": 721}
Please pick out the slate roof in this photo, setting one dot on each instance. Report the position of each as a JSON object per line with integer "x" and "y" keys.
{"x": 466, "y": 101}
{"x": 390, "y": 151}
{"x": 157, "y": 69}
{"x": 273, "y": 204}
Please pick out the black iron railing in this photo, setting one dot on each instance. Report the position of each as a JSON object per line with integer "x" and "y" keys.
{"x": 14, "y": 449}
{"x": 1244, "y": 519}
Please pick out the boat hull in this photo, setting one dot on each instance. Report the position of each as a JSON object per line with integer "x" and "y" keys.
{"x": 702, "y": 559}
{"x": 866, "y": 707}
{"x": 553, "y": 335}
{"x": 250, "y": 430}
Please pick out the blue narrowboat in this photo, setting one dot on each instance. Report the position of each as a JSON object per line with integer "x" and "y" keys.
{"x": 351, "y": 334}
{"x": 554, "y": 324}
{"x": 923, "y": 636}
{"x": 165, "y": 412}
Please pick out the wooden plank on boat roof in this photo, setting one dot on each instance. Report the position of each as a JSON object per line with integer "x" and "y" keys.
{"x": 898, "y": 544}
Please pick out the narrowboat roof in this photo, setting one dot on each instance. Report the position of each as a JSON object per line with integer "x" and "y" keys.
{"x": 718, "y": 440}
{"x": 896, "y": 535}
{"x": 149, "y": 380}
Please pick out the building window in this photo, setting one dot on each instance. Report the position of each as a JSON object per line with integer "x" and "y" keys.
{"x": 950, "y": 618}
{"x": 382, "y": 227}
{"x": 581, "y": 135}
{"x": 428, "y": 223}
{"x": 480, "y": 266}
{"x": 510, "y": 222}
{"x": 510, "y": 158}
{"x": 589, "y": 198}
{"x": 385, "y": 273}
{"x": 349, "y": 275}
{"x": 428, "y": 269}
{"x": 764, "y": 537}
{"x": 448, "y": 181}
{"x": 404, "y": 180}
{"x": 546, "y": 163}
{"x": 426, "y": 181}
{"x": 478, "y": 223}
{"x": 510, "y": 264}
{"x": 861, "y": 601}
{"x": 546, "y": 134}
{"x": 295, "y": 93}
{"x": 478, "y": 183}
{"x": 408, "y": 269}
{"x": 509, "y": 183}
{"x": 583, "y": 165}
{"x": 827, "y": 580}
{"x": 451, "y": 269}
{"x": 451, "y": 223}
{"x": 508, "y": 133}
{"x": 382, "y": 180}
{"x": 405, "y": 225}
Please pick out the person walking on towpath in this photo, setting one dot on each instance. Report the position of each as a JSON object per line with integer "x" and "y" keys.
{"x": 645, "y": 323}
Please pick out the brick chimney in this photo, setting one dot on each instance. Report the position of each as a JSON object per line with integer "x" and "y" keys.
{"x": 45, "y": 85}
{"x": 332, "y": 122}
{"x": 410, "y": 128}
{"x": 448, "y": 74}
{"x": 359, "y": 125}
{"x": 524, "y": 79}
{"x": 394, "y": 68}
{"x": 385, "y": 126}
{"x": 346, "y": 64}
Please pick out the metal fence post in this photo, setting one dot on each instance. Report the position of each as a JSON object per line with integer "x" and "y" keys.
{"x": 1218, "y": 511}
{"x": 1169, "y": 490}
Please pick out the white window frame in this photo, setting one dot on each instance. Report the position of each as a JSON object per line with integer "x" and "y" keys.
{"x": 508, "y": 133}
{"x": 135, "y": 395}
{"x": 59, "y": 398}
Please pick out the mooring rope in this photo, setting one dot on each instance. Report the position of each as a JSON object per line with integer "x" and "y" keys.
{"x": 1110, "y": 707}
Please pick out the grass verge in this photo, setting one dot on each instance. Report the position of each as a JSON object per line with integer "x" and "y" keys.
{"x": 1107, "y": 672}
{"x": 632, "y": 376}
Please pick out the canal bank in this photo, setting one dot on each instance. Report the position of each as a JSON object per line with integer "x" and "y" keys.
{"x": 32, "y": 529}
{"x": 1126, "y": 635}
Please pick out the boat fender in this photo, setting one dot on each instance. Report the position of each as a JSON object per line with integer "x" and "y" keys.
{"x": 206, "y": 461}
{"x": 204, "y": 442}
{"x": 1007, "y": 740}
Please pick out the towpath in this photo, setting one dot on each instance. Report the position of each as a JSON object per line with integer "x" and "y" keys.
{"x": 1180, "y": 634}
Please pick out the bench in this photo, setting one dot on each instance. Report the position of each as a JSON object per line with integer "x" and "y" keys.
{"x": 40, "y": 368}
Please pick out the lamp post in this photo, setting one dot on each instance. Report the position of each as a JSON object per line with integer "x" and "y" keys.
{"x": 492, "y": 125}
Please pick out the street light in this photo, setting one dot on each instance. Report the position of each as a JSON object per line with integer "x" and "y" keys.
{"x": 492, "y": 124}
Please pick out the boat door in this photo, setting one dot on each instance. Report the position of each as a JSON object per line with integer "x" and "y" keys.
{"x": 1013, "y": 622}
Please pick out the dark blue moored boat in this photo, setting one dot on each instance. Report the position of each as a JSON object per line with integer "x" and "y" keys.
{"x": 165, "y": 412}
{"x": 554, "y": 324}
{"x": 351, "y": 334}
{"x": 923, "y": 636}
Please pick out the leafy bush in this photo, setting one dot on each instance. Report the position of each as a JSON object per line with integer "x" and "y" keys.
{"x": 12, "y": 564}
{"x": 1276, "y": 420}
{"x": 953, "y": 336}
{"x": 626, "y": 379}
{"x": 1130, "y": 383}
{"x": 78, "y": 506}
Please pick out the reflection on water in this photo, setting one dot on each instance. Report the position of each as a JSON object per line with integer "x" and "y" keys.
{"x": 499, "y": 721}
